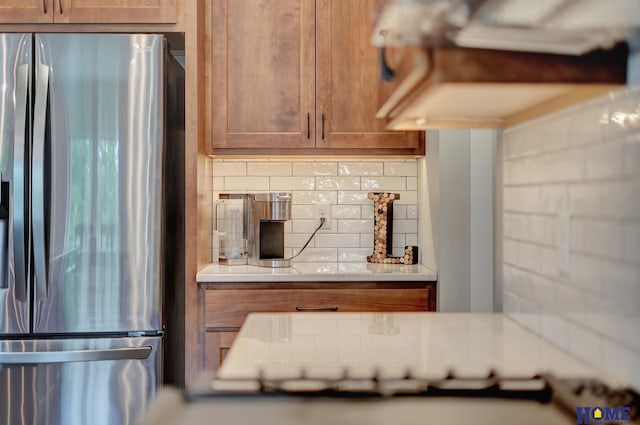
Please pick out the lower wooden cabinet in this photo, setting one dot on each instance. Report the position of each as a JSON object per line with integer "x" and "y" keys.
{"x": 216, "y": 346}
{"x": 225, "y": 306}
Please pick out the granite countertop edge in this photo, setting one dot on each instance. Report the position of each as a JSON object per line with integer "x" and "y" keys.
{"x": 317, "y": 272}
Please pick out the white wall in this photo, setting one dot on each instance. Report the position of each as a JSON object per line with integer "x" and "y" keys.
{"x": 571, "y": 237}
{"x": 460, "y": 165}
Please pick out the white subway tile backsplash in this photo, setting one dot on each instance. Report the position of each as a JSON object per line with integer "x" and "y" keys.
{"x": 632, "y": 156}
{"x": 553, "y": 199}
{"x": 399, "y": 212}
{"x": 303, "y": 226}
{"x": 586, "y": 344}
{"x": 521, "y": 143}
{"x": 366, "y": 240}
{"x": 405, "y": 226}
{"x": 345, "y": 211}
{"x": 622, "y": 362}
{"x": 316, "y": 255}
{"x": 588, "y": 125}
{"x": 588, "y": 272}
{"x": 597, "y": 237}
{"x": 315, "y": 169}
{"x": 585, "y": 162}
{"x": 398, "y": 240}
{"x": 631, "y": 247}
{"x": 287, "y": 184}
{"x": 360, "y": 169}
{"x": 338, "y": 183}
{"x": 555, "y": 134}
{"x": 268, "y": 169}
{"x": 218, "y": 183}
{"x": 530, "y": 256}
{"x": 621, "y": 199}
{"x": 355, "y": 226}
{"x": 228, "y": 169}
{"x": 412, "y": 183}
{"x": 407, "y": 197}
{"x": 246, "y": 184}
{"x": 353, "y": 254}
{"x": 623, "y": 115}
{"x": 352, "y": 197}
{"x": 556, "y": 329}
{"x": 297, "y": 240}
{"x": 568, "y": 166}
{"x": 412, "y": 239}
{"x": 527, "y": 198}
{"x": 341, "y": 240}
{"x": 604, "y": 161}
{"x": 550, "y": 259}
{"x": 367, "y": 211}
{"x": 384, "y": 184}
{"x": 303, "y": 211}
{"x": 585, "y": 199}
{"x": 510, "y": 252}
{"x": 310, "y": 197}
{"x": 400, "y": 168}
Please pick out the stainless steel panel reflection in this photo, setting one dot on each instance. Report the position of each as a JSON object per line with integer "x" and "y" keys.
{"x": 103, "y": 168}
{"x": 15, "y": 52}
{"x": 106, "y": 392}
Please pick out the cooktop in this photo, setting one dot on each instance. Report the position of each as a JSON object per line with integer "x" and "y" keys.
{"x": 452, "y": 399}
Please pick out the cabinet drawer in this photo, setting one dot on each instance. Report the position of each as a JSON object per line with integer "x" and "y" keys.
{"x": 227, "y": 308}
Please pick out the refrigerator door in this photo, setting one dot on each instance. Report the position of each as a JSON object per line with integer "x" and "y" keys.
{"x": 97, "y": 186}
{"x": 15, "y": 116}
{"x": 83, "y": 381}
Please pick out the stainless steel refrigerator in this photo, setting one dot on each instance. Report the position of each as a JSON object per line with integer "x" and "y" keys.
{"x": 81, "y": 225}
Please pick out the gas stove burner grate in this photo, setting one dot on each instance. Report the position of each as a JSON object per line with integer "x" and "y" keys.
{"x": 542, "y": 388}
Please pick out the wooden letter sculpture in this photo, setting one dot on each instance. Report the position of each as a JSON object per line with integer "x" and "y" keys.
{"x": 383, "y": 232}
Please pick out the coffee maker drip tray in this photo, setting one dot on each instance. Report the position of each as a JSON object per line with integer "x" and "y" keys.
{"x": 271, "y": 252}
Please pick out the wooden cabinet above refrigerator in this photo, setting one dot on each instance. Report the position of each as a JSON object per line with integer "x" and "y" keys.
{"x": 455, "y": 87}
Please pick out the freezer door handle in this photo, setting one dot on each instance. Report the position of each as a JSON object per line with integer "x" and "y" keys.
{"x": 41, "y": 357}
{"x": 18, "y": 187}
{"x": 37, "y": 192}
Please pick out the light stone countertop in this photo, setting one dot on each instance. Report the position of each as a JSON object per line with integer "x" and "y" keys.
{"x": 317, "y": 272}
{"x": 428, "y": 344}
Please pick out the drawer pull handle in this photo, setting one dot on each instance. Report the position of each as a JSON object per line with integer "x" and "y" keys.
{"x": 316, "y": 308}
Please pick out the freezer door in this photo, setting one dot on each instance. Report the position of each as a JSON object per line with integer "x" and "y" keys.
{"x": 68, "y": 382}
{"x": 97, "y": 186}
{"x": 15, "y": 116}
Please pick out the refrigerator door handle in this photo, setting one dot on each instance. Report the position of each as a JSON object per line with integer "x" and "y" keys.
{"x": 37, "y": 192}
{"x": 18, "y": 189}
{"x": 39, "y": 357}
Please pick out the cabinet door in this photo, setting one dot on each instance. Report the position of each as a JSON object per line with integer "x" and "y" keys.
{"x": 25, "y": 11}
{"x": 262, "y": 74}
{"x": 347, "y": 80}
{"x": 111, "y": 12}
{"x": 216, "y": 347}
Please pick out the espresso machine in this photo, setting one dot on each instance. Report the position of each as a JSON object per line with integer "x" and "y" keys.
{"x": 250, "y": 228}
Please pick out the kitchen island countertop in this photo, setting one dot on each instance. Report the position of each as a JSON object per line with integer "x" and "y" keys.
{"x": 428, "y": 344}
{"x": 317, "y": 272}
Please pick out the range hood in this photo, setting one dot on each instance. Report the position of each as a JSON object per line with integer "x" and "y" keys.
{"x": 496, "y": 63}
{"x": 571, "y": 27}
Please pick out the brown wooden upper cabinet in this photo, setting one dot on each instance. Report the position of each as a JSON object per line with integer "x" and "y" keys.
{"x": 297, "y": 77}
{"x": 88, "y": 11}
